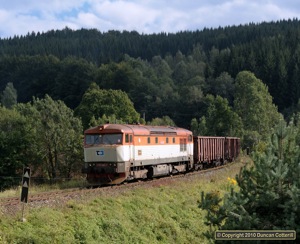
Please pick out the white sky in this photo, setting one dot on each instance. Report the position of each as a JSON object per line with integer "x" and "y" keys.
{"x": 18, "y": 17}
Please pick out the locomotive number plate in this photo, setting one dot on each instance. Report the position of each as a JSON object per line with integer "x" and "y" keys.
{"x": 100, "y": 153}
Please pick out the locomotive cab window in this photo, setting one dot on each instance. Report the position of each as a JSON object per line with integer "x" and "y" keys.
{"x": 99, "y": 139}
{"x": 128, "y": 138}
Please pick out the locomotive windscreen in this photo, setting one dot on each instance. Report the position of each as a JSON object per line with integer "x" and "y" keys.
{"x": 100, "y": 139}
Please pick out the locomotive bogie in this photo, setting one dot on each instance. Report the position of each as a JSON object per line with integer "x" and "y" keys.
{"x": 159, "y": 170}
{"x": 138, "y": 174}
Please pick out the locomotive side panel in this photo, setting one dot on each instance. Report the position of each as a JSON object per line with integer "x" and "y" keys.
{"x": 162, "y": 149}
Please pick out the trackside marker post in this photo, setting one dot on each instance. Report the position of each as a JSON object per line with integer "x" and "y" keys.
{"x": 25, "y": 188}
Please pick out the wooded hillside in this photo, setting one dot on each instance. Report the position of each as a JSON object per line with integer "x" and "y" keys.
{"x": 159, "y": 72}
{"x": 224, "y": 82}
{"x": 62, "y": 63}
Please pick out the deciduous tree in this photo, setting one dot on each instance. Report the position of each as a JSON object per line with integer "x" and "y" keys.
{"x": 60, "y": 137}
{"x": 254, "y": 105}
{"x": 97, "y": 102}
{"x": 15, "y": 144}
{"x": 219, "y": 119}
{"x": 165, "y": 120}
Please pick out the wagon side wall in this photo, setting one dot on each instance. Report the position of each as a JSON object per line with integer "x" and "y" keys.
{"x": 208, "y": 149}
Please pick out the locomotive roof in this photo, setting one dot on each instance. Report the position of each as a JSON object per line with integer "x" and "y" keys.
{"x": 137, "y": 129}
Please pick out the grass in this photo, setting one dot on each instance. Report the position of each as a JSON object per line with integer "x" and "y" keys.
{"x": 163, "y": 214}
{"x": 38, "y": 188}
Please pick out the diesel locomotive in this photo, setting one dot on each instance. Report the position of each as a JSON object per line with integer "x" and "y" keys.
{"x": 115, "y": 153}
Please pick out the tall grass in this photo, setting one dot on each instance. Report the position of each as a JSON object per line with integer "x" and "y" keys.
{"x": 162, "y": 214}
{"x": 38, "y": 188}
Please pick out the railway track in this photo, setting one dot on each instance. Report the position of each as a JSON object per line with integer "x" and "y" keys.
{"x": 54, "y": 198}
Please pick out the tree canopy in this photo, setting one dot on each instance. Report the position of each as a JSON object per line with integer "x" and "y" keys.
{"x": 9, "y": 96}
{"x": 15, "y": 145}
{"x": 254, "y": 104}
{"x": 220, "y": 119}
{"x": 63, "y": 63}
{"x": 57, "y": 137}
{"x": 97, "y": 102}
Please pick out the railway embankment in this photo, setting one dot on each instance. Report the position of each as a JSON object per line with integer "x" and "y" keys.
{"x": 161, "y": 210}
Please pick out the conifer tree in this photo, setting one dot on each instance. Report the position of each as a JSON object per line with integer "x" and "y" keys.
{"x": 9, "y": 96}
{"x": 269, "y": 190}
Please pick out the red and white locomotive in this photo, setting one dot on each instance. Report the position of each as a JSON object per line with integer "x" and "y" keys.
{"x": 115, "y": 153}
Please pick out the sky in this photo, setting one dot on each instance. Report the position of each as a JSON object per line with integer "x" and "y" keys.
{"x": 19, "y": 17}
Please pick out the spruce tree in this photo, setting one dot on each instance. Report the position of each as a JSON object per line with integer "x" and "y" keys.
{"x": 9, "y": 96}
{"x": 269, "y": 190}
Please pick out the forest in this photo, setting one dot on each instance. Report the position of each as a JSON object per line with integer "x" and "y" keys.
{"x": 230, "y": 81}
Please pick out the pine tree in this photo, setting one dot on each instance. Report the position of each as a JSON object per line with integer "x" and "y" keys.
{"x": 9, "y": 96}
{"x": 269, "y": 190}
